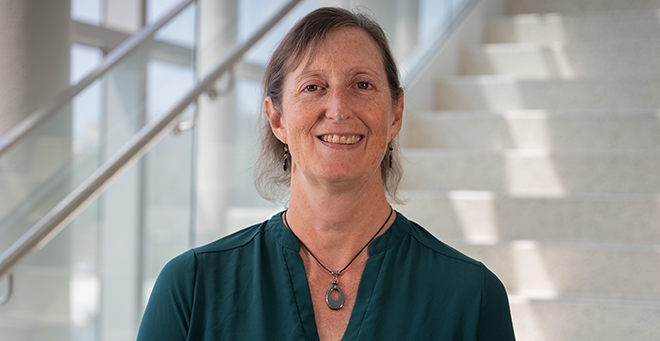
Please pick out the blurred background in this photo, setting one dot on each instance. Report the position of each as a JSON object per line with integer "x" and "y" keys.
{"x": 531, "y": 141}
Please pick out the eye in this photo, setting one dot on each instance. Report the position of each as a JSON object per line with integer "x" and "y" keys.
{"x": 311, "y": 88}
{"x": 363, "y": 85}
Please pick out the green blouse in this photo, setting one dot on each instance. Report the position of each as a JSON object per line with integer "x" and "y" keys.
{"x": 252, "y": 285}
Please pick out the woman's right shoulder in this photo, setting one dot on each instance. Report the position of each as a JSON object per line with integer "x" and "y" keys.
{"x": 186, "y": 264}
{"x": 236, "y": 240}
{"x": 183, "y": 267}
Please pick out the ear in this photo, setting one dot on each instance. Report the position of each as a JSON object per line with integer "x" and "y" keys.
{"x": 276, "y": 120}
{"x": 397, "y": 119}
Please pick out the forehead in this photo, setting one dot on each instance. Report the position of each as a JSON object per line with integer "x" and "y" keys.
{"x": 346, "y": 44}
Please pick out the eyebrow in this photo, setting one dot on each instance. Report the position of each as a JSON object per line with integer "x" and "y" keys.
{"x": 357, "y": 70}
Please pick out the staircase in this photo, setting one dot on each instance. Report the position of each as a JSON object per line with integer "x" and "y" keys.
{"x": 542, "y": 159}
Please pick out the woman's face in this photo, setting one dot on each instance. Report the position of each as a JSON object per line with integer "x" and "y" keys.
{"x": 337, "y": 113}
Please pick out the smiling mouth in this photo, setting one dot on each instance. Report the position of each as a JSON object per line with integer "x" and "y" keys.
{"x": 341, "y": 139}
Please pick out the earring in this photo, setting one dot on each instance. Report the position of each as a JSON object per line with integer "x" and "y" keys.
{"x": 286, "y": 151}
{"x": 391, "y": 156}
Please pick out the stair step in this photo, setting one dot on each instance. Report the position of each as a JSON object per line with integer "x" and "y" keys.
{"x": 570, "y": 318}
{"x": 545, "y": 6}
{"x": 543, "y": 60}
{"x": 534, "y": 129}
{"x": 533, "y": 172}
{"x": 626, "y": 271}
{"x": 505, "y": 93}
{"x": 483, "y": 216}
{"x": 543, "y": 163}
{"x": 615, "y": 25}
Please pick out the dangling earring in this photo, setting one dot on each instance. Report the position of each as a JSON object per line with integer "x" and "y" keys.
{"x": 286, "y": 151}
{"x": 391, "y": 156}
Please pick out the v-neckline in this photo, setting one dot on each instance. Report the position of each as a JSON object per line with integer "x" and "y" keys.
{"x": 368, "y": 281}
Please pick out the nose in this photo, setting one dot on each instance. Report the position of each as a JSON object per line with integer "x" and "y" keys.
{"x": 338, "y": 105}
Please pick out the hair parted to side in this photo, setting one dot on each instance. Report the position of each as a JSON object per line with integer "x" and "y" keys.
{"x": 271, "y": 182}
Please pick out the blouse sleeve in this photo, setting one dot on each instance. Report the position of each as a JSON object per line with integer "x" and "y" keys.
{"x": 168, "y": 312}
{"x": 494, "y": 316}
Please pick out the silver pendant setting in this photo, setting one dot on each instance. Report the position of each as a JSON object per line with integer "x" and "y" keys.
{"x": 334, "y": 304}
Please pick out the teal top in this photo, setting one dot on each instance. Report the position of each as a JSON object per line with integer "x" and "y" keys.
{"x": 252, "y": 285}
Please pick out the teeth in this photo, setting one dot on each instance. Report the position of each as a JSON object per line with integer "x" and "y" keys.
{"x": 341, "y": 139}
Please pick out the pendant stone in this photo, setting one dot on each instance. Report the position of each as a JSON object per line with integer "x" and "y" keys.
{"x": 334, "y": 304}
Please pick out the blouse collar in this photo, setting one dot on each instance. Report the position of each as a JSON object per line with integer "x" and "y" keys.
{"x": 393, "y": 235}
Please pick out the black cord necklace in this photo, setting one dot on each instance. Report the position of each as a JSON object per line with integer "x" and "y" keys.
{"x": 339, "y": 303}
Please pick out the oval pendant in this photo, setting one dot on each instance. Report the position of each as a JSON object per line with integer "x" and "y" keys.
{"x": 334, "y": 304}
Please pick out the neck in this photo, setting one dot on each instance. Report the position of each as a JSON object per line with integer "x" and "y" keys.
{"x": 335, "y": 224}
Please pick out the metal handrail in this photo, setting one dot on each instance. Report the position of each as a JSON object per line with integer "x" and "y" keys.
{"x": 57, "y": 218}
{"x": 19, "y": 131}
{"x": 422, "y": 60}
{"x": 9, "y": 288}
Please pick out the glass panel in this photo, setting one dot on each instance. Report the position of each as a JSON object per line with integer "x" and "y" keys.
{"x": 417, "y": 27}
{"x": 458, "y": 7}
{"x": 168, "y": 174}
{"x": 87, "y": 283}
{"x": 258, "y": 11}
{"x": 34, "y": 175}
{"x": 39, "y": 307}
{"x": 433, "y": 15}
{"x": 83, "y": 60}
{"x": 179, "y": 31}
{"x": 85, "y": 273}
{"x": 158, "y": 8}
{"x": 87, "y": 112}
{"x": 87, "y": 11}
{"x": 84, "y": 285}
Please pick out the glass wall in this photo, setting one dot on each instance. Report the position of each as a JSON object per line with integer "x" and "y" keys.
{"x": 92, "y": 280}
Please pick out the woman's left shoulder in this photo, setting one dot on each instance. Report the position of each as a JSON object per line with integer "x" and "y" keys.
{"x": 427, "y": 240}
{"x": 450, "y": 283}
{"x": 436, "y": 254}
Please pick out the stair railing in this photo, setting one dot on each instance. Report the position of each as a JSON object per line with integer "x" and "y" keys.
{"x": 62, "y": 214}
{"x": 420, "y": 59}
{"x": 115, "y": 56}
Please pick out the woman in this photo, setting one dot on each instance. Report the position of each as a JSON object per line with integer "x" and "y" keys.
{"x": 339, "y": 262}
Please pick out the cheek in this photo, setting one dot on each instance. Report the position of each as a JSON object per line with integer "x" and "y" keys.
{"x": 299, "y": 118}
{"x": 383, "y": 121}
